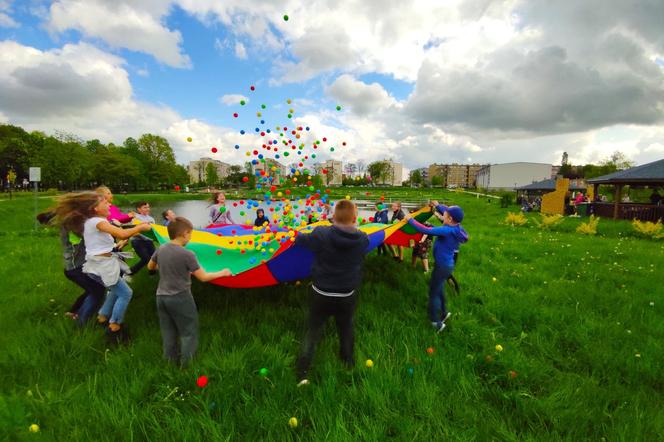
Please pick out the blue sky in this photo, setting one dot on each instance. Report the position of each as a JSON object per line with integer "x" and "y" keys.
{"x": 420, "y": 82}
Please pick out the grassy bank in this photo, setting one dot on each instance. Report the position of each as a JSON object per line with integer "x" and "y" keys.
{"x": 580, "y": 321}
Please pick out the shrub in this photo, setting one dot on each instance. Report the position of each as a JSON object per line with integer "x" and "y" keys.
{"x": 515, "y": 219}
{"x": 505, "y": 200}
{"x": 648, "y": 229}
{"x": 589, "y": 228}
{"x": 548, "y": 222}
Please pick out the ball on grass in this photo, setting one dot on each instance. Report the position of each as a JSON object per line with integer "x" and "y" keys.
{"x": 34, "y": 428}
{"x": 292, "y": 422}
{"x": 369, "y": 363}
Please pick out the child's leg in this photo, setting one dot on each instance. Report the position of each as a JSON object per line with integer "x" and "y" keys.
{"x": 123, "y": 293}
{"x": 94, "y": 295}
{"x": 401, "y": 249}
{"x": 169, "y": 333}
{"x": 107, "y": 307}
{"x": 318, "y": 314}
{"x": 79, "y": 278}
{"x": 145, "y": 250}
{"x": 437, "y": 292}
{"x": 425, "y": 264}
{"x": 346, "y": 328}
{"x": 185, "y": 316}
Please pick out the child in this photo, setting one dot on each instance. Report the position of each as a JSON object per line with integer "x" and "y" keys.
{"x": 168, "y": 215}
{"x": 87, "y": 213}
{"x": 336, "y": 272}
{"x": 218, "y": 213}
{"x": 115, "y": 215}
{"x": 261, "y": 220}
{"x": 448, "y": 238}
{"x": 143, "y": 246}
{"x": 73, "y": 253}
{"x": 381, "y": 217}
{"x": 421, "y": 250}
{"x": 397, "y": 215}
{"x": 178, "y": 317}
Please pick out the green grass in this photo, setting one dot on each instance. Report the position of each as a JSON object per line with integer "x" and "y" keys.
{"x": 571, "y": 312}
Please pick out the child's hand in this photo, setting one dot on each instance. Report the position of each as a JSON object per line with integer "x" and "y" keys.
{"x": 144, "y": 227}
{"x": 434, "y": 203}
{"x": 224, "y": 273}
{"x": 408, "y": 217}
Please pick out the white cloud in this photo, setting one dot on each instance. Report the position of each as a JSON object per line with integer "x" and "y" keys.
{"x": 240, "y": 50}
{"x": 7, "y": 22}
{"x": 123, "y": 24}
{"x": 231, "y": 99}
{"x": 361, "y": 97}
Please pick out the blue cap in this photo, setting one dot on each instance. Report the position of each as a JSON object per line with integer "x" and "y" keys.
{"x": 455, "y": 212}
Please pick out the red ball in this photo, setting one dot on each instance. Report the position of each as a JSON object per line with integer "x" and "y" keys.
{"x": 430, "y": 350}
{"x": 218, "y": 252}
{"x": 252, "y": 88}
{"x": 202, "y": 381}
{"x": 214, "y": 150}
{"x": 177, "y": 188}
{"x": 245, "y": 179}
{"x": 235, "y": 115}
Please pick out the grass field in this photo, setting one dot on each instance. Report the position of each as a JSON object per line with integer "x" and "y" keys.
{"x": 580, "y": 320}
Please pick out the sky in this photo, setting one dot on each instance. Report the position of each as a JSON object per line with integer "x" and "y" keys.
{"x": 469, "y": 81}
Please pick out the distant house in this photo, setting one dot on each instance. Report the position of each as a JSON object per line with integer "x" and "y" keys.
{"x": 509, "y": 176}
{"x": 197, "y": 169}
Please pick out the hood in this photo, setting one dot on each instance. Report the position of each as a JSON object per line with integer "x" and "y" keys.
{"x": 344, "y": 237}
{"x": 460, "y": 234}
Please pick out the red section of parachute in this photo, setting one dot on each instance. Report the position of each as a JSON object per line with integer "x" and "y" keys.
{"x": 399, "y": 238}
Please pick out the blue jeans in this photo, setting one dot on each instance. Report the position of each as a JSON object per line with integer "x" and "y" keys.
{"x": 89, "y": 301}
{"x": 116, "y": 302}
{"x": 144, "y": 249}
{"x": 439, "y": 277}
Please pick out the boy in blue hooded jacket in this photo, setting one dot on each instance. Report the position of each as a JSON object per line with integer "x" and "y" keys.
{"x": 449, "y": 237}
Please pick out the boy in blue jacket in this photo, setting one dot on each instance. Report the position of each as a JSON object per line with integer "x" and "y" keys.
{"x": 336, "y": 274}
{"x": 448, "y": 238}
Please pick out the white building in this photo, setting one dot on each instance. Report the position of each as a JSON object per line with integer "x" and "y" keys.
{"x": 197, "y": 169}
{"x": 393, "y": 175}
{"x": 273, "y": 168}
{"x": 511, "y": 175}
{"x": 334, "y": 170}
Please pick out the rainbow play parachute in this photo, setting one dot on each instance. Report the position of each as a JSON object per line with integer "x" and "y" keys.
{"x": 260, "y": 258}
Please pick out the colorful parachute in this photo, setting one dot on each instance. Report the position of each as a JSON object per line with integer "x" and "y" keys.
{"x": 260, "y": 258}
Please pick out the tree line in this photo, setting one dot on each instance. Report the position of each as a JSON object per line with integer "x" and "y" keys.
{"x": 68, "y": 162}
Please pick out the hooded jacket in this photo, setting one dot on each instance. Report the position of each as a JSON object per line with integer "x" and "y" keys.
{"x": 448, "y": 239}
{"x": 338, "y": 257}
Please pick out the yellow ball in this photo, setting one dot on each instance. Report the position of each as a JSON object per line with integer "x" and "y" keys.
{"x": 347, "y": 197}
{"x": 494, "y": 279}
{"x": 34, "y": 428}
{"x": 499, "y": 347}
{"x": 292, "y": 422}
{"x": 189, "y": 139}
{"x": 369, "y": 363}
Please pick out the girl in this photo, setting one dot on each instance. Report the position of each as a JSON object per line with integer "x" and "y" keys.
{"x": 261, "y": 219}
{"x": 421, "y": 250}
{"x": 115, "y": 215}
{"x": 218, "y": 212}
{"x": 86, "y": 213}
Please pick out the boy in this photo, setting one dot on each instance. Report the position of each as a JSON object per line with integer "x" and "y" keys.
{"x": 178, "y": 316}
{"x": 336, "y": 273}
{"x": 168, "y": 216}
{"x": 142, "y": 245}
{"x": 448, "y": 238}
{"x": 381, "y": 217}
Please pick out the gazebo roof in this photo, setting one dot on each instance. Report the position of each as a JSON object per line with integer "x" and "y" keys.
{"x": 549, "y": 184}
{"x": 651, "y": 173}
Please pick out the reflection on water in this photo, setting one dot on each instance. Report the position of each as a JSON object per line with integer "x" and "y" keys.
{"x": 197, "y": 211}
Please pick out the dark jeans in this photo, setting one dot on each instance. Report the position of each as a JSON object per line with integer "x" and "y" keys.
{"x": 178, "y": 318}
{"x": 88, "y": 303}
{"x": 437, "y": 310}
{"x": 144, "y": 249}
{"x": 321, "y": 308}
{"x": 382, "y": 249}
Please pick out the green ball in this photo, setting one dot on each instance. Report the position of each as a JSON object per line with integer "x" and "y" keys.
{"x": 338, "y": 108}
{"x": 242, "y": 213}
{"x": 290, "y": 116}
{"x": 242, "y": 102}
{"x": 263, "y": 106}
{"x": 285, "y": 18}
{"x": 222, "y": 209}
{"x": 263, "y": 371}
{"x": 331, "y": 149}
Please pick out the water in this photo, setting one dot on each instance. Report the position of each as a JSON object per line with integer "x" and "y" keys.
{"x": 197, "y": 211}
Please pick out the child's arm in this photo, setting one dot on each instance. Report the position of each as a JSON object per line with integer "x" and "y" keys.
{"x": 204, "y": 276}
{"x": 119, "y": 233}
{"x": 433, "y": 231}
{"x": 152, "y": 265}
{"x": 116, "y": 215}
{"x": 307, "y": 240}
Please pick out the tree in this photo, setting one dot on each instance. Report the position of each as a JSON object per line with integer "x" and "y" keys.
{"x": 380, "y": 172}
{"x": 565, "y": 159}
{"x": 415, "y": 177}
{"x": 619, "y": 160}
{"x": 437, "y": 181}
{"x": 211, "y": 175}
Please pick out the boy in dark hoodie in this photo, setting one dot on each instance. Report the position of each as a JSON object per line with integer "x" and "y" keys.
{"x": 448, "y": 238}
{"x": 336, "y": 272}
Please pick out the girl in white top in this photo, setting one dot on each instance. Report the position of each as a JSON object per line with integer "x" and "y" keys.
{"x": 86, "y": 213}
{"x": 218, "y": 213}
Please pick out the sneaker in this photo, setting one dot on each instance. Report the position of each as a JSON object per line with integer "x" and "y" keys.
{"x": 447, "y": 316}
{"x": 303, "y": 382}
{"x": 438, "y": 326}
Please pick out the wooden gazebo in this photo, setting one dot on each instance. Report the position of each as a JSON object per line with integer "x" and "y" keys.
{"x": 651, "y": 175}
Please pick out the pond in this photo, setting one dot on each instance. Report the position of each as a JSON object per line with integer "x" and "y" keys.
{"x": 196, "y": 211}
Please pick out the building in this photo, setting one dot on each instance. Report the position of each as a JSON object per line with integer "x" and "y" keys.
{"x": 272, "y": 167}
{"x": 455, "y": 175}
{"x": 512, "y": 175}
{"x": 334, "y": 172}
{"x": 394, "y": 175}
{"x": 197, "y": 169}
